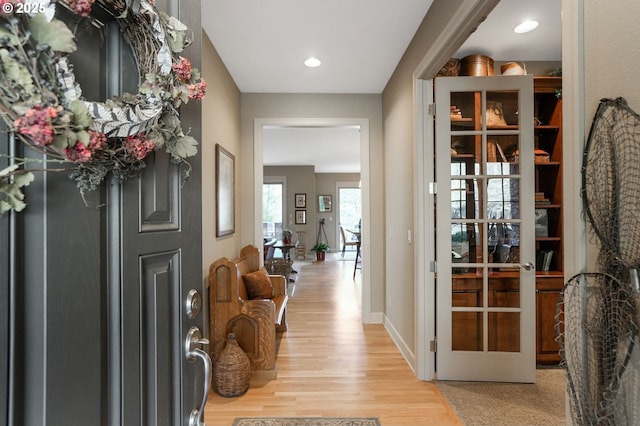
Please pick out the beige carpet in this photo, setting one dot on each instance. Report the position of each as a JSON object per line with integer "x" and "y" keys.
{"x": 509, "y": 404}
{"x": 305, "y": 421}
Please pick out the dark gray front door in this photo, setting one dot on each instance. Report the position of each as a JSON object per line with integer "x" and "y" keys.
{"x": 93, "y": 301}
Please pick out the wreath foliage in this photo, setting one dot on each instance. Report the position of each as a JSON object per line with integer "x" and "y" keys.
{"x": 42, "y": 104}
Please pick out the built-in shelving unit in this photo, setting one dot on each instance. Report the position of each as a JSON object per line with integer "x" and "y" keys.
{"x": 549, "y": 202}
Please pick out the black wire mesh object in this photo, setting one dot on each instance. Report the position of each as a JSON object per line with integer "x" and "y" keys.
{"x": 597, "y": 323}
{"x": 611, "y": 186}
{"x": 597, "y": 315}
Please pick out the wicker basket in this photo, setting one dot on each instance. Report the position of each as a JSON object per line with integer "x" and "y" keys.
{"x": 232, "y": 370}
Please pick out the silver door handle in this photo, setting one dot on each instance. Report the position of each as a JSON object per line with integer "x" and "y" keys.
{"x": 528, "y": 266}
{"x": 193, "y": 349}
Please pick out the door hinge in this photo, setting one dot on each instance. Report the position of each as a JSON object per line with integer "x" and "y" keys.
{"x": 433, "y": 187}
{"x": 433, "y": 345}
{"x": 431, "y": 110}
{"x": 433, "y": 266}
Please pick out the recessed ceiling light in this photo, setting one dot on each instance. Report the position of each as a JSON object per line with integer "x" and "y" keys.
{"x": 526, "y": 26}
{"x": 312, "y": 62}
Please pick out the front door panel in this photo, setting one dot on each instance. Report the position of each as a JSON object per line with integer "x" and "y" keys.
{"x": 94, "y": 299}
{"x": 162, "y": 265}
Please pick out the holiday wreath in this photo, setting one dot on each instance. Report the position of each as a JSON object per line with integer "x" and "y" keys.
{"x": 42, "y": 104}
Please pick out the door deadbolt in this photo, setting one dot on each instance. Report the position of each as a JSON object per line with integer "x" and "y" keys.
{"x": 194, "y": 303}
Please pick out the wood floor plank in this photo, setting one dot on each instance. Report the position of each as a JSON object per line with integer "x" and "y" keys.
{"x": 332, "y": 365}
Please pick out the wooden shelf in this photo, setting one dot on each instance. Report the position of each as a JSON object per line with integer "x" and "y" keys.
{"x": 547, "y": 84}
{"x": 548, "y": 239}
{"x": 548, "y": 180}
{"x": 549, "y": 274}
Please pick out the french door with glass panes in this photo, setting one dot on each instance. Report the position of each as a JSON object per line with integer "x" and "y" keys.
{"x": 485, "y": 281}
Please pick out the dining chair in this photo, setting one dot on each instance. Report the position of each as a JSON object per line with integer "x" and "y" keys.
{"x": 346, "y": 243}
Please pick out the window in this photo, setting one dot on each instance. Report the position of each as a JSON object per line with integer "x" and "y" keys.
{"x": 272, "y": 209}
{"x": 349, "y": 210}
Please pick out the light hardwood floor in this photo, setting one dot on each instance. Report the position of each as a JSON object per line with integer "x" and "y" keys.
{"x": 331, "y": 365}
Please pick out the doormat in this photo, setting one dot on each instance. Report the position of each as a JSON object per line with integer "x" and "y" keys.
{"x": 507, "y": 404}
{"x": 306, "y": 421}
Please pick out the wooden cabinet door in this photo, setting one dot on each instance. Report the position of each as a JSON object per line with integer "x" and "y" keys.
{"x": 547, "y": 296}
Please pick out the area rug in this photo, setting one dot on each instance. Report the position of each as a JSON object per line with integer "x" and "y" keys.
{"x": 502, "y": 404}
{"x": 306, "y": 421}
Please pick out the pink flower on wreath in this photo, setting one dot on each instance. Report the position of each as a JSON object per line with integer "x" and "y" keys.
{"x": 198, "y": 90}
{"x": 96, "y": 140}
{"x": 182, "y": 69}
{"x": 36, "y": 123}
{"x": 81, "y": 7}
{"x": 138, "y": 147}
{"x": 77, "y": 153}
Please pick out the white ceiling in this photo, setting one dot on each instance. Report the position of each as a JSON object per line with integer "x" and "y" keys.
{"x": 264, "y": 43}
{"x": 329, "y": 149}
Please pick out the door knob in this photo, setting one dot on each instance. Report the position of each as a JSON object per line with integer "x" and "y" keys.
{"x": 528, "y": 266}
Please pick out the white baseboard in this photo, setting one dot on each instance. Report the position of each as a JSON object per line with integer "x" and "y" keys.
{"x": 373, "y": 318}
{"x": 405, "y": 350}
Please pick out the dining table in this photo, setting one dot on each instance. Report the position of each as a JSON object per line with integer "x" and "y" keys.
{"x": 286, "y": 254}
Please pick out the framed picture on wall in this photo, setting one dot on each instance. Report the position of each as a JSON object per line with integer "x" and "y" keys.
{"x": 301, "y": 201}
{"x": 301, "y": 217}
{"x": 225, "y": 196}
{"x": 324, "y": 203}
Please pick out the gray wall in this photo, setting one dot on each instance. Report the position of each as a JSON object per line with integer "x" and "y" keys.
{"x": 399, "y": 125}
{"x": 220, "y": 124}
{"x": 610, "y": 65}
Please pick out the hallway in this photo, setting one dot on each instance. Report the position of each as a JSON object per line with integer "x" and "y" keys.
{"x": 330, "y": 364}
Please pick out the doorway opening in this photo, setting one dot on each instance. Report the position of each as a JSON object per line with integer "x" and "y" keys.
{"x": 368, "y": 316}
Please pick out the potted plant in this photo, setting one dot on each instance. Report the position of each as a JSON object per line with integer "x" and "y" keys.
{"x": 320, "y": 249}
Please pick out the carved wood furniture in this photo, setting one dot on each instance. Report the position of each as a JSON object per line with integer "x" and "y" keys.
{"x": 254, "y": 321}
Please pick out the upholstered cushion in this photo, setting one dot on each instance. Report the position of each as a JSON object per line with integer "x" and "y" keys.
{"x": 258, "y": 285}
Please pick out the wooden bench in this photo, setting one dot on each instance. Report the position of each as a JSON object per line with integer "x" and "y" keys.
{"x": 254, "y": 321}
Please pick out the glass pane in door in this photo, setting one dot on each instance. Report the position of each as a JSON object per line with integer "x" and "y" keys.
{"x": 504, "y": 332}
{"x": 504, "y": 288}
{"x": 469, "y": 331}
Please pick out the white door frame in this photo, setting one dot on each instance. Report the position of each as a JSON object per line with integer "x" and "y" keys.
{"x": 259, "y": 124}
{"x": 573, "y": 130}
